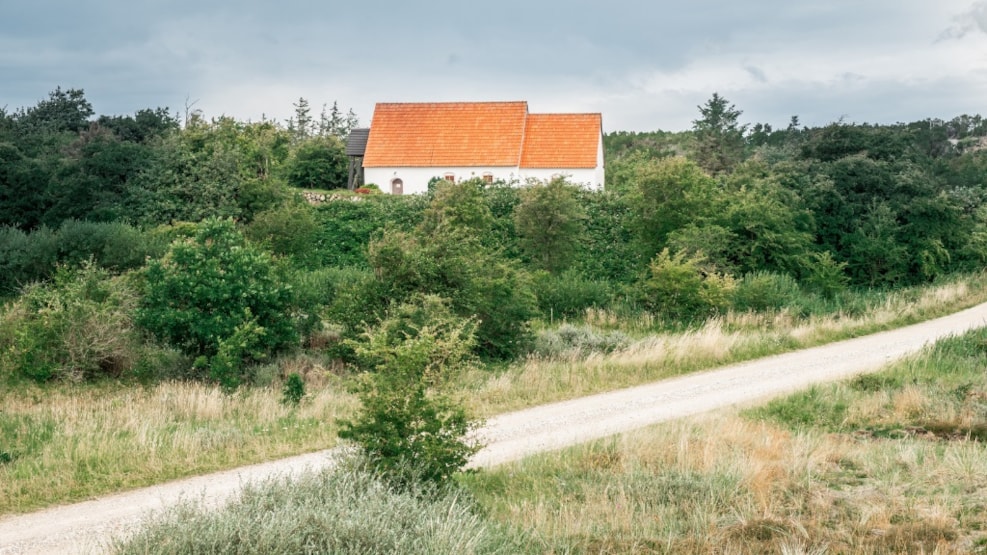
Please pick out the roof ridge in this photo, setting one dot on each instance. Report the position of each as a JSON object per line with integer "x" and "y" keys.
{"x": 451, "y": 102}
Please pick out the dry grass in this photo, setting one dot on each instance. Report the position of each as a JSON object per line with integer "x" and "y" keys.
{"x": 897, "y": 471}
{"x": 64, "y": 443}
{"x": 71, "y": 443}
{"x": 731, "y": 338}
{"x": 726, "y": 485}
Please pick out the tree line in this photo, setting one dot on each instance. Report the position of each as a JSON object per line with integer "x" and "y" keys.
{"x": 172, "y": 224}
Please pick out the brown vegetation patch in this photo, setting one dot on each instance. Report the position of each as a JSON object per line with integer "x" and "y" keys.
{"x": 933, "y": 431}
{"x": 912, "y": 537}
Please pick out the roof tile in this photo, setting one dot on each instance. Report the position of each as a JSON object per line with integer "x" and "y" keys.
{"x": 561, "y": 141}
{"x": 446, "y": 134}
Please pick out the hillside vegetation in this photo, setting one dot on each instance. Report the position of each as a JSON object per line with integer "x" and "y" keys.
{"x": 172, "y": 267}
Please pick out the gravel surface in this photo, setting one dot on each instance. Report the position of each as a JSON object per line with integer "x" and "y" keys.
{"x": 85, "y": 527}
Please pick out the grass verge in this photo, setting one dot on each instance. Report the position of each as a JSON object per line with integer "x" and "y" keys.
{"x": 893, "y": 462}
{"x": 719, "y": 341}
{"x": 73, "y": 442}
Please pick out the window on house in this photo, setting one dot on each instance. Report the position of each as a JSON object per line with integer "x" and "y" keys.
{"x": 450, "y": 177}
{"x": 488, "y": 177}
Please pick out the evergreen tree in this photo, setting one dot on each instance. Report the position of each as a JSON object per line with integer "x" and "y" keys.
{"x": 719, "y": 138}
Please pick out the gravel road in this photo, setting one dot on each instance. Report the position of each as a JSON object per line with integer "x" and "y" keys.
{"x": 84, "y": 527}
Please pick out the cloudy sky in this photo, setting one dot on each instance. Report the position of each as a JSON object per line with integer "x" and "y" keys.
{"x": 645, "y": 65}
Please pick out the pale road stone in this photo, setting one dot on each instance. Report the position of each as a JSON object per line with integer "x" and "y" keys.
{"x": 86, "y": 527}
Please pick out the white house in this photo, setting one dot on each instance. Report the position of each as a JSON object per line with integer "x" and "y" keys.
{"x": 411, "y": 143}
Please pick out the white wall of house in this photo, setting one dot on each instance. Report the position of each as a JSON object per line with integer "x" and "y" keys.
{"x": 591, "y": 178}
{"x": 415, "y": 180}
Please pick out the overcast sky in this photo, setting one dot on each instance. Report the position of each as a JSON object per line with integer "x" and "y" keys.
{"x": 645, "y": 65}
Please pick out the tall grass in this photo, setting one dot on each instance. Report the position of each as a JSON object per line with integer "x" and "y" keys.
{"x": 338, "y": 511}
{"x": 573, "y": 372}
{"x": 61, "y": 443}
{"x": 67, "y": 443}
{"x": 883, "y": 463}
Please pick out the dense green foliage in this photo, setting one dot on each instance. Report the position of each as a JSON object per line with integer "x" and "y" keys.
{"x": 218, "y": 298}
{"x": 725, "y": 216}
{"x": 408, "y": 433}
{"x": 77, "y": 326}
{"x": 549, "y": 224}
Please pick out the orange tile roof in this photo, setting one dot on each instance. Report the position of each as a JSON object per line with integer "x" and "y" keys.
{"x": 561, "y": 141}
{"x": 446, "y": 134}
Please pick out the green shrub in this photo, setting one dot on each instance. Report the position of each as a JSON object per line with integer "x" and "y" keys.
{"x": 407, "y": 430}
{"x": 352, "y": 300}
{"x": 76, "y": 327}
{"x": 549, "y": 223}
{"x": 216, "y": 295}
{"x": 340, "y": 511}
{"x": 333, "y": 295}
{"x": 607, "y": 252}
{"x": 112, "y": 245}
{"x": 289, "y": 230}
{"x": 293, "y": 391}
{"x": 25, "y": 257}
{"x": 680, "y": 288}
{"x": 477, "y": 282}
{"x": 347, "y": 226}
{"x": 569, "y": 294}
{"x": 318, "y": 163}
{"x": 764, "y": 291}
{"x": 827, "y": 277}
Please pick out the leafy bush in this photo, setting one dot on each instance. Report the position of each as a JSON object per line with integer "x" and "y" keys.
{"x": 680, "y": 288}
{"x": 76, "y": 327}
{"x": 112, "y": 245}
{"x": 407, "y": 432}
{"x": 569, "y": 294}
{"x": 319, "y": 163}
{"x": 479, "y": 283}
{"x": 289, "y": 230}
{"x": 340, "y": 511}
{"x": 549, "y": 222}
{"x": 569, "y": 340}
{"x": 607, "y": 251}
{"x": 294, "y": 390}
{"x": 218, "y": 297}
{"x": 827, "y": 276}
{"x": 25, "y": 257}
{"x": 763, "y": 291}
{"x": 347, "y": 226}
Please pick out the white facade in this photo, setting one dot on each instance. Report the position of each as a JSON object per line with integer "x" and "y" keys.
{"x": 414, "y": 181}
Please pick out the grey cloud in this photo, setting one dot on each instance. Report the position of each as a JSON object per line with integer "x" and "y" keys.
{"x": 974, "y": 20}
{"x": 757, "y": 73}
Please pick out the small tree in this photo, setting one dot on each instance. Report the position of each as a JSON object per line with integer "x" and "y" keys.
{"x": 719, "y": 138}
{"x": 218, "y": 298}
{"x": 549, "y": 222}
{"x": 668, "y": 194}
{"x": 678, "y": 286}
{"x": 318, "y": 163}
{"x": 407, "y": 430}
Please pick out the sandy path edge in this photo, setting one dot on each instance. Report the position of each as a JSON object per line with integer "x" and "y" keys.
{"x": 85, "y": 527}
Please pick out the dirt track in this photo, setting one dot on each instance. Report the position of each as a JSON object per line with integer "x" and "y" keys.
{"x": 83, "y": 527}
